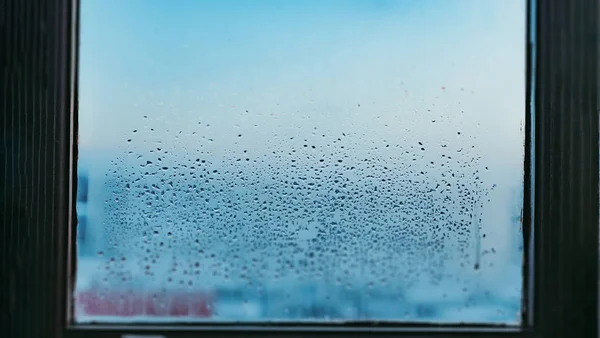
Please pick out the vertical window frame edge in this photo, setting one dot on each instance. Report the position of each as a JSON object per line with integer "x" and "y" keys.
{"x": 565, "y": 240}
{"x": 66, "y": 161}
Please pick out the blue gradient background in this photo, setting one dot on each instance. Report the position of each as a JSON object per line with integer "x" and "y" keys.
{"x": 308, "y": 63}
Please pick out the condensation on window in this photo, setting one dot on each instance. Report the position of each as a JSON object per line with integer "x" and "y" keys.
{"x": 313, "y": 161}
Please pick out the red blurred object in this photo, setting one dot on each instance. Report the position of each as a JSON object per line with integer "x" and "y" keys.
{"x": 126, "y": 304}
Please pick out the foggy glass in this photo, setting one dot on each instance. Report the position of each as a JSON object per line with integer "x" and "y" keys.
{"x": 316, "y": 161}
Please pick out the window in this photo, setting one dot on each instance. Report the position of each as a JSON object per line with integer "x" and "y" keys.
{"x": 313, "y": 161}
{"x": 67, "y": 189}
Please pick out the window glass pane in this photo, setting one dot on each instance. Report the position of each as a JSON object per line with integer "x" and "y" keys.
{"x": 300, "y": 160}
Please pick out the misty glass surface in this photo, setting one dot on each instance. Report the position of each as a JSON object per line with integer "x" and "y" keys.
{"x": 300, "y": 160}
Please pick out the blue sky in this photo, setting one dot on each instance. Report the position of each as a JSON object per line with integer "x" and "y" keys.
{"x": 193, "y": 76}
{"x": 137, "y": 56}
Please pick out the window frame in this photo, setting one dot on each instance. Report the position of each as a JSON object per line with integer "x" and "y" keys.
{"x": 560, "y": 232}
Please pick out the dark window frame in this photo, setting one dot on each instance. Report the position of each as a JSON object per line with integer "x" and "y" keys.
{"x": 37, "y": 143}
